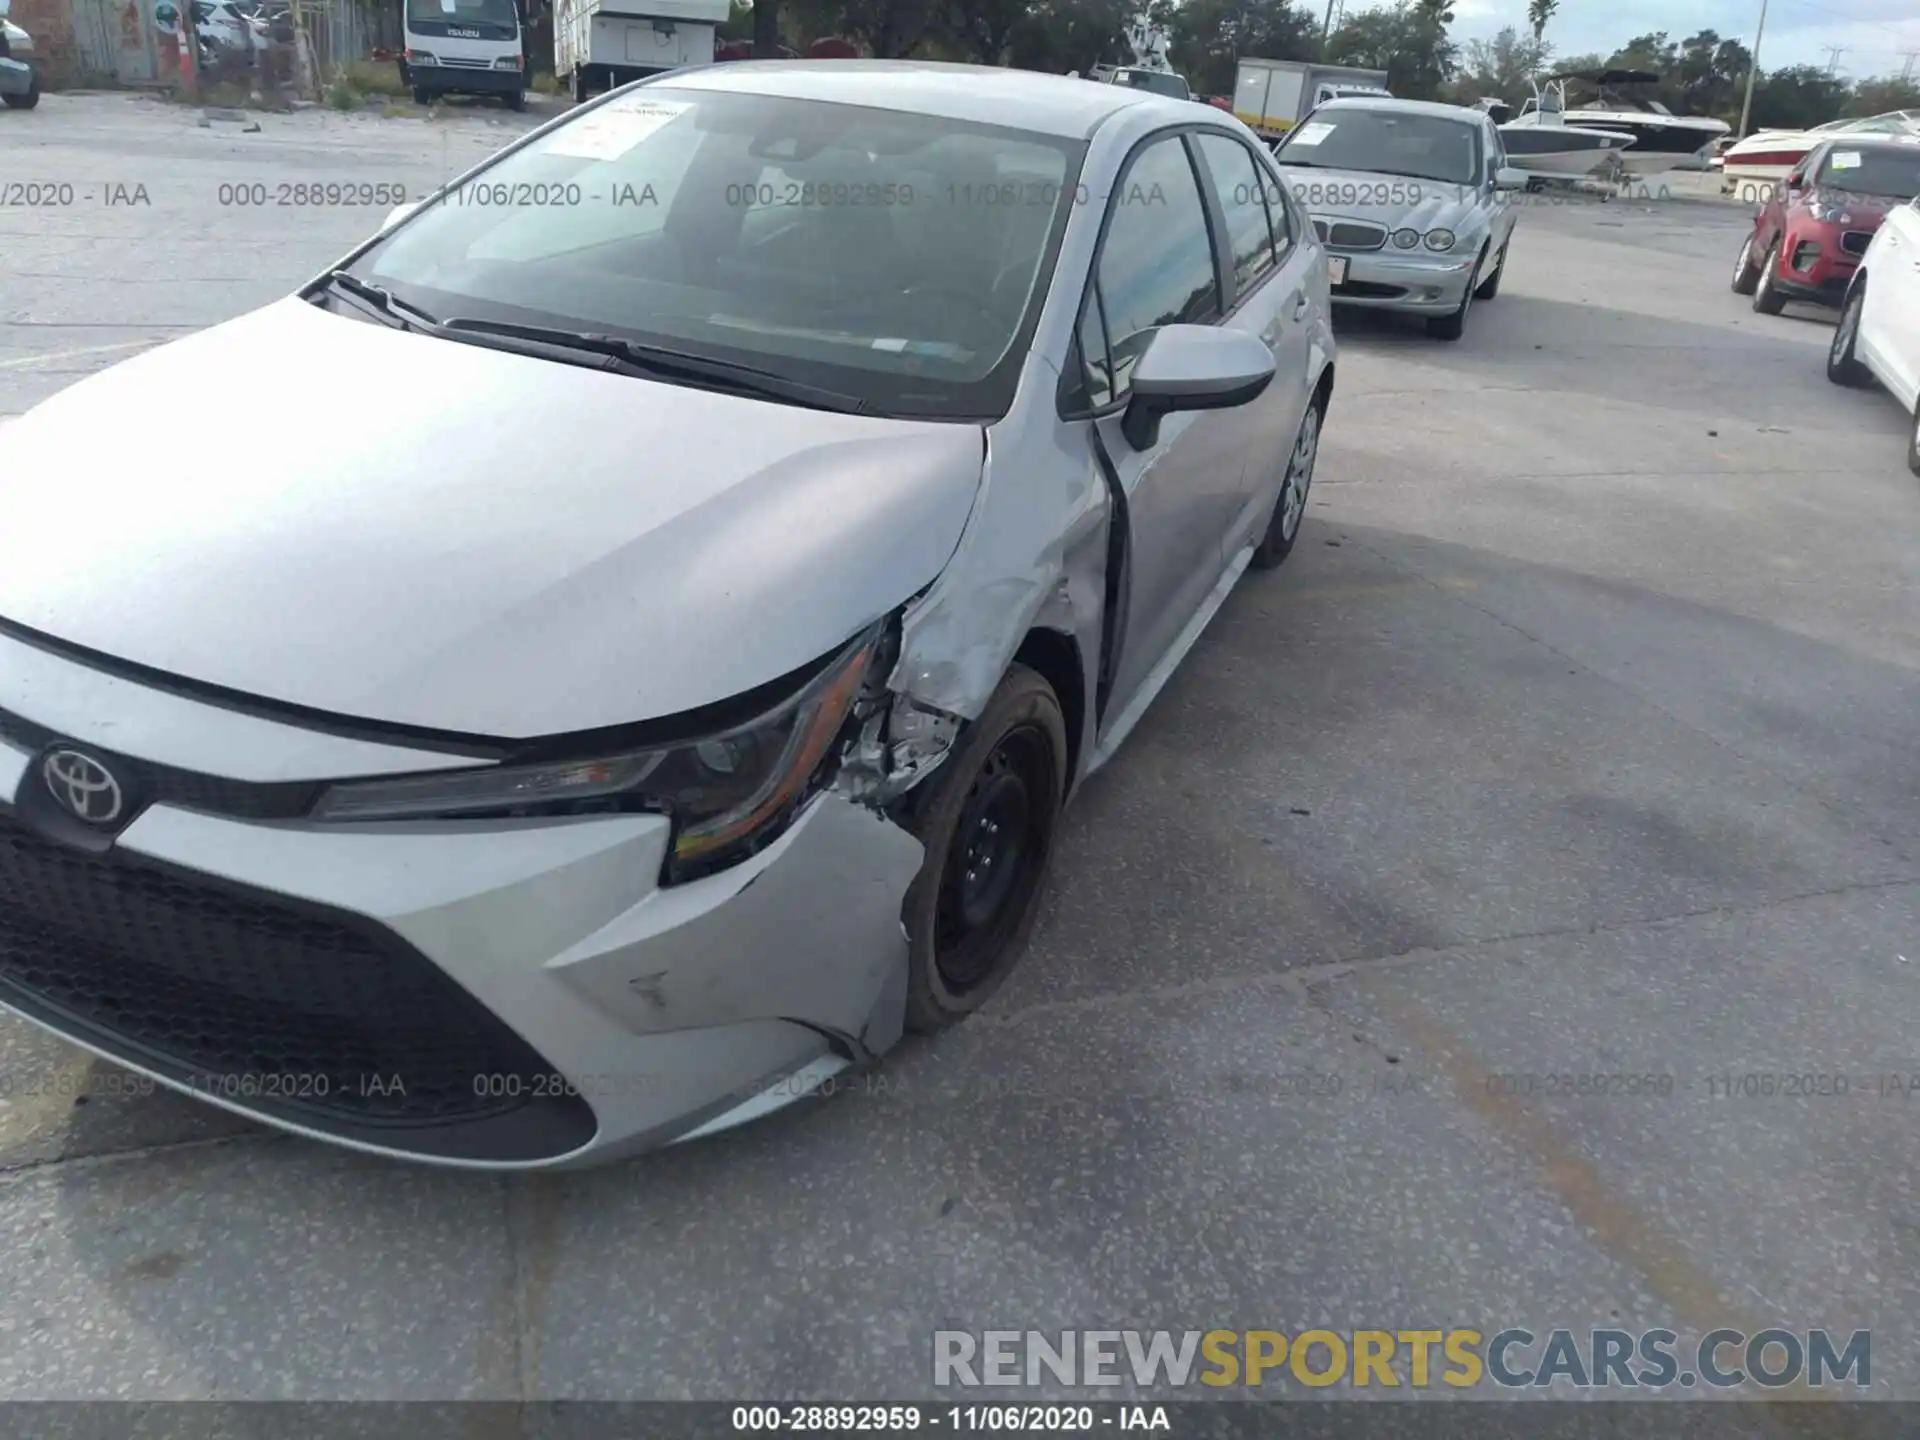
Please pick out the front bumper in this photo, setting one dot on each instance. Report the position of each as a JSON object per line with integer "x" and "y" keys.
{"x": 16, "y": 77}
{"x": 464, "y": 80}
{"x": 509, "y": 995}
{"x": 1813, "y": 270}
{"x": 1420, "y": 282}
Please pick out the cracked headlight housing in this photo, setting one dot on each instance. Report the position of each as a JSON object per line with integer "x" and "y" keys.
{"x": 728, "y": 794}
{"x": 1440, "y": 240}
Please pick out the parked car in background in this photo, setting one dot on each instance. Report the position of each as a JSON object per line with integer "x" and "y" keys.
{"x": 19, "y": 81}
{"x": 643, "y": 798}
{"x": 1412, "y": 201}
{"x": 1170, "y": 83}
{"x": 1811, "y": 231}
{"x": 1878, "y": 337}
{"x": 223, "y": 25}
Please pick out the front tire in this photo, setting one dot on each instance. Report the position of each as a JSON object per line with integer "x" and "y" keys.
{"x": 1745, "y": 273}
{"x": 988, "y": 824}
{"x": 1490, "y": 286}
{"x": 1913, "y": 440}
{"x": 1452, "y": 327}
{"x": 517, "y": 101}
{"x": 1842, "y": 367}
{"x": 1767, "y": 299}
{"x": 1290, "y": 506}
{"x": 422, "y": 95}
{"x": 28, "y": 100}
{"x": 578, "y": 86}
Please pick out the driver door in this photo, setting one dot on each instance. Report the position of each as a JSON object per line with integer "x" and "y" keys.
{"x": 1157, "y": 266}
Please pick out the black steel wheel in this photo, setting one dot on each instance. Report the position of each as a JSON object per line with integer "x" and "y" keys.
{"x": 988, "y": 824}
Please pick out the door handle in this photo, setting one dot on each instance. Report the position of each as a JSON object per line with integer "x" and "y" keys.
{"x": 1301, "y": 305}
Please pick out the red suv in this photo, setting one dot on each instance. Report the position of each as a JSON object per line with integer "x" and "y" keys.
{"x": 1809, "y": 235}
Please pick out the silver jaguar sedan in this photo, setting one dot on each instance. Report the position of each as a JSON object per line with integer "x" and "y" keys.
{"x": 752, "y": 505}
{"x": 1411, "y": 199}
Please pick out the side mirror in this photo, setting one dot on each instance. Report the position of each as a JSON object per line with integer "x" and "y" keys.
{"x": 394, "y": 216}
{"x": 1193, "y": 367}
{"x": 1796, "y": 181}
{"x": 1509, "y": 178}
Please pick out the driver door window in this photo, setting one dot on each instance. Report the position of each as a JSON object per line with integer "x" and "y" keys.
{"x": 1156, "y": 262}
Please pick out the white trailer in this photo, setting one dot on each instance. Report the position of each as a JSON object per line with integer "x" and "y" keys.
{"x": 598, "y": 44}
{"x": 1272, "y": 96}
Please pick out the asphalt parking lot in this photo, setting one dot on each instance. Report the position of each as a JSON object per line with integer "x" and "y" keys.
{"x": 1578, "y": 739}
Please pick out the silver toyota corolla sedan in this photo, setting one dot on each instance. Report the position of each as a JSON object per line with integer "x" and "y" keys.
{"x": 745, "y": 510}
{"x": 1411, "y": 199}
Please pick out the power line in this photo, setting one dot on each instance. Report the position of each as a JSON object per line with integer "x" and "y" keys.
{"x": 1834, "y": 52}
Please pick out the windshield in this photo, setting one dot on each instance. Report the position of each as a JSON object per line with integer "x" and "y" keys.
{"x": 893, "y": 256}
{"x": 1386, "y": 142}
{"x": 1878, "y": 171}
{"x": 1157, "y": 81}
{"x": 462, "y": 12}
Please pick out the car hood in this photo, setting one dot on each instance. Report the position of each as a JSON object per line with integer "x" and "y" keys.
{"x": 397, "y": 528}
{"x": 1440, "y": 206}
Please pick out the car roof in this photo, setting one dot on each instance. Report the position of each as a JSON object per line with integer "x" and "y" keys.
{"x": 1845, "y": 140}
{"x": 1064, "y": 106}
{"x": 1392, "y": 104}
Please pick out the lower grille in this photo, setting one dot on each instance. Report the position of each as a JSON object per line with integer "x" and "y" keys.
{"x": 461, "y": 64}
{"x": 304, "y": 1014}
{"x": 1855, "y": 242}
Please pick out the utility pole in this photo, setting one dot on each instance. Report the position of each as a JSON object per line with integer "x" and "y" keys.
{"x": 1834, "y": 52}
{"x": 1906, "y": 72}
{"x": 1753, "y": 68}
{"x": 1326, "y": 31}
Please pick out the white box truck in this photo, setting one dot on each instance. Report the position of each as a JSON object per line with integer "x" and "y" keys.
{"x": 1272, "y": 96}
{"x": 598, "y": 44}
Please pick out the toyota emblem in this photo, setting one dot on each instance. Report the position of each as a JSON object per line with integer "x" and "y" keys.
{"x": 83, "y": 786}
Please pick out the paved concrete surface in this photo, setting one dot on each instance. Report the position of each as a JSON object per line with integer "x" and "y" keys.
{"x": 1578, "y": 738}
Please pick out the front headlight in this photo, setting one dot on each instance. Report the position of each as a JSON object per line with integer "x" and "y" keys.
{"x": 1439, "y": 240}
{"x": 1406, "y": 239}
{"x": 507, "y": 62}
{"x": 728, "y": 794}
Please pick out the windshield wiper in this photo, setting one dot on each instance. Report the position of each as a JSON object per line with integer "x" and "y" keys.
{"x": 381, "y": 300}
{"x": 657, "y": 361}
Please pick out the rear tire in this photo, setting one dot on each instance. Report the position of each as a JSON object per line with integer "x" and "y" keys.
{"x": 1842, "y": 368}
{"x": 28, "y": 100}
{"x": 1290, "y": 505}
{"x": 517, "y": 101}
{"x": 988, "y": 822}
{"x": 1766, "y": 299}
{"x": 1745, "y": 272}
{"x": 577, "y": 85}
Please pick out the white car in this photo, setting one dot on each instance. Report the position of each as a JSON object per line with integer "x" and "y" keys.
{"x": 776, "y": 488}
{"x": 1878, "y": 337}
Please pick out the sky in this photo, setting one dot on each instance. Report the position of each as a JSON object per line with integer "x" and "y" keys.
{"x": 1874, "y": 34}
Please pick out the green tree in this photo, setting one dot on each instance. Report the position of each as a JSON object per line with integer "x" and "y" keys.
{"x": 1063, "y": 35}
{"x": 1209, "y": 36}
{"x": 1797, "y": 97}
{"x": 1409, "y": 41}
{"x": 1499, "y": 67}
{"x": 1539, "y": 13}
{"x": 1876, "y": 97}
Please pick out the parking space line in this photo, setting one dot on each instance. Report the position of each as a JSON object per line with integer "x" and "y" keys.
{"x": 24, "y": 361}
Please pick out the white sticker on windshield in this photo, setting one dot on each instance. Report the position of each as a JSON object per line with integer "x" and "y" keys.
{"x": 1310, "y": 134}
{"x": 1845, "y": 160}
{"x": 611, "y": 131}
